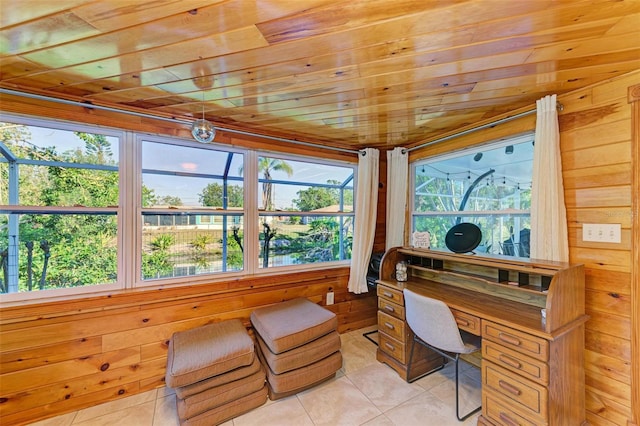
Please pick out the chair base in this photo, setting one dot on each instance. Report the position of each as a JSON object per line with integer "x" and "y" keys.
{"x": 369, "y": 333}
{"x": 455, "y": 358}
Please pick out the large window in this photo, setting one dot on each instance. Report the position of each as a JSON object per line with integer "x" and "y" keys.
{"x": 306, "y": 211}
{"x": 192, "y": 210}
{"x": 85, "y": 209}
{"x": 489, "y": 186}
{"x": 59, "y": 191}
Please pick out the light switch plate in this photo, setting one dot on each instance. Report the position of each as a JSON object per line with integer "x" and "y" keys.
{"x": 602, "y": 232}
{"x": 330, "y": 298}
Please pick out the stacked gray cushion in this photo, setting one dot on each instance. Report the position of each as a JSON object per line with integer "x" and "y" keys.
{"x": 298, "y": 344}
{"x": 215, "y": 372}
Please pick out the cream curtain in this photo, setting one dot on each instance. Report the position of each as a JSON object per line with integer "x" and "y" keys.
{"x": 549, "y": 238}
{"x": 365, "y": 221}
{"x": 397, "y": 181}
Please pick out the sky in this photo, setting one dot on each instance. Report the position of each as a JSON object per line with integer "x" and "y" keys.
{"x": 176, "y": 160}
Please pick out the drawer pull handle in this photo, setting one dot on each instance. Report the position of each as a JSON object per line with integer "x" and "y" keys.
{"x": 390, "y": 346}
{"x": 510, "y": 361}
{"x": 508, "y": 420}
{"x": 513, "y": 340}
{"x": 389, "y": 325}
{"x": 387, "y": 294}
{"x": 462, "y": 321}
{"x": 509, "y": 388}
{"x": 389, "y": 308}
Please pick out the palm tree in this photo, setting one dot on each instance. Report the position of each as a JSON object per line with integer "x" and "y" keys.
{"x": 266, "y": 166}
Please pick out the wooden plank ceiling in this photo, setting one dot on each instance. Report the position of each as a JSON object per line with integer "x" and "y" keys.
{"x": 351, "y": 74}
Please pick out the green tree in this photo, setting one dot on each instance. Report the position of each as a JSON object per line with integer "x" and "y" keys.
{"x": 80, "y": 249}
{"x": 211, "y": 195}
{"x": 317, "y": 197}
{"x": 322, "y": 242}
{"x": 16, "y": 138}
{"x": 170, "y": 200}
{"x": 97, "y": 148}
{"x": 149, "y": 197}
{"x": 267, "y": 166}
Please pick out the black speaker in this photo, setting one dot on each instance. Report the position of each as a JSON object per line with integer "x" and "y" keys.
{"x": 463, "y": 237}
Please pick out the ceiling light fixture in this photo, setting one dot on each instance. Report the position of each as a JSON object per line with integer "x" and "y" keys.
{"x": 202, "y": 130}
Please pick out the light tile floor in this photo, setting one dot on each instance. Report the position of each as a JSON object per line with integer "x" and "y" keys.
{"x": 364, "y": 392}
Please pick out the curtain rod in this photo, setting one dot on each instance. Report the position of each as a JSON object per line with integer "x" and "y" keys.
{"x": 559, "y": 106}
{"x": 172, "y": 120}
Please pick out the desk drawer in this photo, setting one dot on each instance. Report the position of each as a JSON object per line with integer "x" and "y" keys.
{"x": 530, "y": 368}
{"x": 527, "y": 344}
{"x": 503, "y": 414}
{"x": 392, "y": 347}
{"x": 527, "y": 395}
{"x": 391, "y": 326}
{"x": 467, "y": 322}
{"x": 391, "y": 294}
{"x": 391, "y": 308}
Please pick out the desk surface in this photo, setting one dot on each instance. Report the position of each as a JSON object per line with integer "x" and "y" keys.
{"x": 513, "y": 314}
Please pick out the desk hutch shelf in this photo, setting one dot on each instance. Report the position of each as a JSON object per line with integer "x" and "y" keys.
{"x": 529, "y": 313}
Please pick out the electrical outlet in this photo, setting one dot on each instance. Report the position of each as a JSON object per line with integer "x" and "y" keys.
{"x": 330, "y": 298}
{"x": 612, "y": 233}
{"x": 602, "y": 232}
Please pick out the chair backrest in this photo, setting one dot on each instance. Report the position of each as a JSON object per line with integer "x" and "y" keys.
{"x": 432, "y": 321}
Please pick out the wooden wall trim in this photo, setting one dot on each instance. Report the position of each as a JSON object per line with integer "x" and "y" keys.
{"x": 634, "y": 99}
{"x": 118, "y": 299}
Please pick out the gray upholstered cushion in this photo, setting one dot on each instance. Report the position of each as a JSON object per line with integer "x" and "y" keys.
{"x": 301, "y": 356}
{"x": 214, "y": 397}
{"x": 204, "y": 352}
{"x": 228, "y": 411}
{"x": 293, "y": 323}
{"x": 219, "y": 380}
{"x": 302, "y": 378}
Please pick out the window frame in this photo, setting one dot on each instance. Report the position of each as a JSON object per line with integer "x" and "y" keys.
{"x": 138, "y": 279}
{"x": 129, "y": 212}
{"x": 268, "y": 213}
{"x": 121, "y": 135}
{"x": 488, "y": 145}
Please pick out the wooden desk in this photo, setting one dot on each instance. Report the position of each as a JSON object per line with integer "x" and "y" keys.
{"x": 532, "y": 369}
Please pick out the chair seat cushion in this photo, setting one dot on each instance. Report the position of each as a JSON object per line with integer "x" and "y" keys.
{"x": 293, "y": 323}
{"x": 219, "y": 380}
{"x": 301, "y": 356}
{"x": 228, "y": 411}
{"x": 302, "y": 378}
{"x": 206, "y": 351}
{"x": 214, "y": 397}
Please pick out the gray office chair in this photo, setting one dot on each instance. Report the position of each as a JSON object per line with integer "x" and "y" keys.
{"x": 435, "y": 327}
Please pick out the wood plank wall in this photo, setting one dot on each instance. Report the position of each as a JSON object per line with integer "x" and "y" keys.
{"x": 634, "y": 100}
{"x": 596, "y": 147}
{"x": 62, "y": 356}
{"x": 55, "y": 358}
